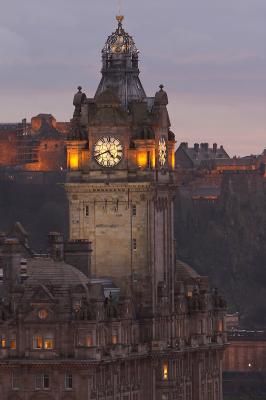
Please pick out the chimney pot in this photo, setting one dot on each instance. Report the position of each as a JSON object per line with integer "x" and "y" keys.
{"x": 196, "y": 147}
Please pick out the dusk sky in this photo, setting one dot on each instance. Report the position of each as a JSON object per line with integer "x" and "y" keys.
{"x": 209, "y": 54}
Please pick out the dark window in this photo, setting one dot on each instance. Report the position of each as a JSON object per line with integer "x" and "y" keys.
{"x": 68, "y": 381}
{"x": 87, "y": 211}
{"x": 38, "y": 381}
{"x": 16, "y": 383}
{"x": 46, "y": 381}
{"x": 134, "y": 244}
{"x": 134, "y": 210}
{"x": 42, "y": 382}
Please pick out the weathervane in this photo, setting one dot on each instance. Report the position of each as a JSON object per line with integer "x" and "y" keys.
{"x": 119, "y": 17}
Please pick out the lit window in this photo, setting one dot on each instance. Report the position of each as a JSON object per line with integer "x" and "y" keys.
{"x": 3, "y": 342}
{"x": 48, "y": 342}
{"x": 220, "y": 326}
{"x": 134, "y": 244}
{"x": 134, "y": 210}
{"x": 16, "y": 380}
{"x": 165, "y": 371}
{"x": 37, "y": 342}
{"x": 13, "y": 342}
{"x": 114, "y": 338}
{"x": 89, "y": 340}
{"x": 73, "y": 161}
{"x": 68, "y": 381}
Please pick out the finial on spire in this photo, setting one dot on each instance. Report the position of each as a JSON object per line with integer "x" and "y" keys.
{"x": 120, "y": 18}
{"x": 161, "y": 87}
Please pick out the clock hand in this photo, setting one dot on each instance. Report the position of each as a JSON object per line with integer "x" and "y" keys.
{"x": 104, "y": 152}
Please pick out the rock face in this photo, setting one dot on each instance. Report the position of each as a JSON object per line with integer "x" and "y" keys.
{"x": 225, "y": 239}
{"x": 40, "y": 207}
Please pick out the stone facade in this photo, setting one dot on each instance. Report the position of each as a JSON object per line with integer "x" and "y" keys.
{"x": 65, "y": 335}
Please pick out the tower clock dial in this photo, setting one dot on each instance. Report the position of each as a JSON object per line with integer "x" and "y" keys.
{"x": 162, "y": 151}
{"x": 108, "y": 151}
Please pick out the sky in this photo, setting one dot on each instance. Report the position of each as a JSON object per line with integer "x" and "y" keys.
{"x": 209, "y": 54}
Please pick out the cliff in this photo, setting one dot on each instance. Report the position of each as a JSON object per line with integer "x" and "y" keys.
{"x": 226, "y": 240}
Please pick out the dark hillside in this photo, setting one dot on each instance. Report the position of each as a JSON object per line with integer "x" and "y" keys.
{"x": 226, "y": 240}
{"x": 40, "y": 208}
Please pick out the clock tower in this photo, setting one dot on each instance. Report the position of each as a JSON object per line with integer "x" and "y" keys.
{"x": 121, "y": 176}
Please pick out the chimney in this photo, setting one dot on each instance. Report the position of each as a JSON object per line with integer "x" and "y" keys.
{"x": 214, "y": 147}
{"x": 196, "y": 147}
{"x": 10, "y": 263}
{"x": 56, "y": 246}
{"x": 78, "y": 254}
{"x": 24, "y": 126}
{"x": 184, "y": 145}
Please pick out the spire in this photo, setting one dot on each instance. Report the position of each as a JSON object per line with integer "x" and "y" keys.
{"x": 120, "y": 66}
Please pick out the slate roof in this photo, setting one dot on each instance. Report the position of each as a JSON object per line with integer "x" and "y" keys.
{"x": 57, "y": 277}
{"x": 185, "y": 272}
{"x": 203, "y": 152}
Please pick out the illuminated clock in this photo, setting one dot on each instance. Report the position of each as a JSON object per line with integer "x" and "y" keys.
{"x": 108, "y": 151}
{"x": 162, "y": 151}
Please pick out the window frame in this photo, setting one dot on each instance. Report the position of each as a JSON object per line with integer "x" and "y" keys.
{"x": 40, "y": 342}
{"x": 15, "y": 376}
{"x": 41, "y": 381}
{"x": 68, "y": 379}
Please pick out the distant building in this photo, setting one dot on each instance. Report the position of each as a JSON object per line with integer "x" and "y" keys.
{"x": 199, "y": 155}
{"x": 38, "y": 146}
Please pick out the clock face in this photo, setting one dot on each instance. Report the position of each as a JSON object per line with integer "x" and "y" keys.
{"x": 108, "y": 151}
{"x": 162, "y": 151}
